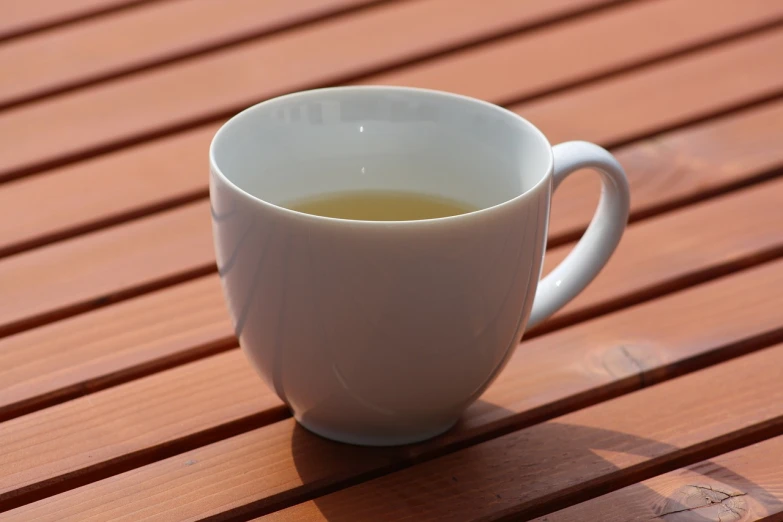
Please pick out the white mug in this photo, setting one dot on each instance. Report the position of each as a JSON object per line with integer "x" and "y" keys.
{"x": 382, "y": 333}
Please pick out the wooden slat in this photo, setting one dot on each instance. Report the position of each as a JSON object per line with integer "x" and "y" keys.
{"x": 155, "y": 250}
{"x": 708, "y": 89}
{"x": 671, "y": 168}
{"x": 71, "y": 357}
{"x": 90, "y": 351}
{"x": 166, "y": 172}
{"x": 530, "y": 64}
{"x": 122, "y": 185}
{"x": 275, "y": 465}
{"x": 681, "y": 248}
{"x": 679, "y": 167}
{"x": 110, "y": 45}
{"x": 213, "y": 86}
{"x": 545, "y": 466}
{"x": 735, "y": 314}
{"x": 93, "y": 269}
{"x": 132, "y": 423}
{"x": 20, "y": 17}
{"x": 744, "y": 485}
{"x": 142, "y": 170}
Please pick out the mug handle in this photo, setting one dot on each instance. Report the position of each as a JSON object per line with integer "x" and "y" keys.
{"x": 602, "y": 236}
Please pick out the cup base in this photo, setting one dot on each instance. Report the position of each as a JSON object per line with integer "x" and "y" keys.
{"x": 374, "y": 440}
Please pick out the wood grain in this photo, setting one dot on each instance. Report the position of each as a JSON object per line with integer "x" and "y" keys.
{"x": 163, "y": 173}
{"x": 670, "y": 169}
{"x": 545, "y": 378}
{"x": 213, "y": 86}
{"x": 34, "y": 15}
{"x": 94, "y": 269}
{"x": 267, "y": 468}
{"x": 67, "y": 57}
{"x": 680, "y": 167}
{"x": 569, "y": 53}
{"x": 573, "y": 456}
{"x": 740, "y": 486}
{"x": 122, "y": 393}
{"x": 97, "y": 349}
{"x": 157, "y": 250}
{"x": 85, "y": 353}
{"x": 127, "y": 425}
{"x": 681, "y": 248}
{"x": 702, "y": 84}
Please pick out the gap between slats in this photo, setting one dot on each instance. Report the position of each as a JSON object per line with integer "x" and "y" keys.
{"x": 212, "y": 115}
{"x": 43, "y": 23}
{"x": 405, "y": 492}
{"x": 741, "y": 485}
{"x": 398, "y": 459}
{"x": 691, "y": 139}
{"x": 187, "y": 196}
{"x": 747, "y": 344}
{"x": 683, "y": 145}
{"x": 557, "y": 322}
{"x": 194, "y": 49}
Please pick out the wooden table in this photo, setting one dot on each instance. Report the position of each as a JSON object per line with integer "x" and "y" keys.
{"x": 655, "y": 395}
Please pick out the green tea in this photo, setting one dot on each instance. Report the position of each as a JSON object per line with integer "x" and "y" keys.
{"x": 381, "y": 205}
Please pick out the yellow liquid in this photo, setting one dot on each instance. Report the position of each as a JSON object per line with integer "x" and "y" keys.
{"x": 381, "y": 205}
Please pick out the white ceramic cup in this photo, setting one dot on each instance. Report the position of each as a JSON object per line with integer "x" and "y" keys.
{"x": 382, "y": 333}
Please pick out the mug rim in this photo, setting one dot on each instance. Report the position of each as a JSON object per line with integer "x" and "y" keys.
{"x": 545, "y": 178}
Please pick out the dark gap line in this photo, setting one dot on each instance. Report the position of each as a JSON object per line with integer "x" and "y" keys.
{"x": 484, "y": 433}
{"x": 94, "y": 303}
{"x": 566, "y": 320}
{"x": 105, "y": 222}
{"x": 70, "y": 19}
{"x": 663, "y": 207}
{"x": 527, "y": 419}
{"x": 127, "y": 374}
{"x": 639, "y": 66}
{"x": 556, "y": 240}
{"x": 86, "y": 387}
{"x": 750, "y": 103}
{"x": 116, "y": 378}
{"x": 658, "y": 290}
{"x": 217, "y": 115}
{"x": 196, "y": 49}
{"x": 120, "y": 296}
{"x": 143, "y": 457}
{"x": 591, "y": 489}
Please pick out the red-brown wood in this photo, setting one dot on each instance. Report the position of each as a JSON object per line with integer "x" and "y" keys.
{"x": 525, "y": 470}
{"x": 680, "y": 167}
{"x": 213, "y": 85}
{"x": 703, "y": 83}
{"x": 85, "y": 353}
{"x": 743, "y": 485}
{"x": 123, "y": 395}
{"x": 530, "y": 64}
{"x": 68, "y": 56}
{"x": 112, "y": 263}
{"x": 71, "y": 357}
{"x": 20, "y": 17}
{"x": 681, "y": 248}
{"x": 154, "y": 251}
{"x": 132, "y": 422}
{"x": 544, "y": 466}
{"x": 591, "y": 362}
{"x": 168, "y": 171}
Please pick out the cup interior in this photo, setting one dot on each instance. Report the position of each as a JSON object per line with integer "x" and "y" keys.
{"x": 345, "y": 139}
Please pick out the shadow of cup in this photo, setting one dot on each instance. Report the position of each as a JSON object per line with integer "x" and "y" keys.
{"x": 541, "y": 469}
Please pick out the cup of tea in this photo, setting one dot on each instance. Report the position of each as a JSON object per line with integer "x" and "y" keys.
{"x": 380, "y": 250}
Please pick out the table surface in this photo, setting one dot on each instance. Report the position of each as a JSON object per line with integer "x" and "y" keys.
{"x": 657, "y": 394}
